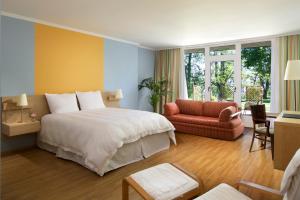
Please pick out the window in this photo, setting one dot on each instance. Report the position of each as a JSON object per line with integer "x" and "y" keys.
{"x": 222, "y": 81}
{"x": 195, "y": 73}
{"x": 222, "y": 50}
{"x": 239, "y": 72}
{"x": 256, "y": 73}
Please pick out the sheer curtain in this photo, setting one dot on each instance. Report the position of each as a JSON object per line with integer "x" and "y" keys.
{"x": 169, "y": 66}
{"x": 288, "y": 49}
{"x": 183, "y": 94}
{"x": 276, "y": 104}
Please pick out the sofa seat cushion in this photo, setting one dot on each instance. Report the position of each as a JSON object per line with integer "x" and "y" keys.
{"x": 203, "y": 120}
{"x": 193, "y": 119}
{"x": 264, "y": 130}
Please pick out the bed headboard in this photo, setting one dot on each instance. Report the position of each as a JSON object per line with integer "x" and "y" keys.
{"x": 38, "y": 104}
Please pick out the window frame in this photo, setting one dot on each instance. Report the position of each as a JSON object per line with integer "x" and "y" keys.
{"x": 237, "y": 64}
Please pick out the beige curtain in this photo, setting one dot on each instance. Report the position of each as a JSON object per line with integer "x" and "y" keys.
{"x": 289, "y": 49}
{"x": 167, "y": 66}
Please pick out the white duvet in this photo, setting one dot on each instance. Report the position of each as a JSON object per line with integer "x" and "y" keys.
{"x": 96, "y": 135}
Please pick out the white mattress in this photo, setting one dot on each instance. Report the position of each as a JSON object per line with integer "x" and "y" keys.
{"x": 127, "y": 154}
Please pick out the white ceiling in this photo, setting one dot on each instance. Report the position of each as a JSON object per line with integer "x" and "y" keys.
{"x": 167, "y": 23}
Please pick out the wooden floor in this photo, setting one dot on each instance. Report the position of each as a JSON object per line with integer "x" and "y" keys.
{"x": 37, "y": 174}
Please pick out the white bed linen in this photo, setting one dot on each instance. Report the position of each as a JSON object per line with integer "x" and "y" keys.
{"x": 96, "y": 135}
{"x": 127, "y": 154}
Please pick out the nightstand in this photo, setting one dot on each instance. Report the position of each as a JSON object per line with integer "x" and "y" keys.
{"x": 14, "y": 129}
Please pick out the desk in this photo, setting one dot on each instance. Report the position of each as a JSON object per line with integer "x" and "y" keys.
{"x": 287, "y": 140}
{"x": 272, "y": 115}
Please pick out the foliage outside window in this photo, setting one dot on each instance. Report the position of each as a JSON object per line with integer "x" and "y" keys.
{"x": 256, "y": 71}
{"x": 222, "y": 81}
{"x": 195, "y": 73}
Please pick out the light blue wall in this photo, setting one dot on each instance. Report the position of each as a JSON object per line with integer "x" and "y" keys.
{"x": 17, "y": 56}
{"x": 125, "y": 66}
{"x": 121, "y": 71}
{"x": 145, "y": 70}
{"x": 17, "y": 69}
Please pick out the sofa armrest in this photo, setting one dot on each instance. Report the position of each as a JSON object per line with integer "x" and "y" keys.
{"x": 171, "y": 109}
{"x": 227, "y": 114}
{"x": 235, "y": 114}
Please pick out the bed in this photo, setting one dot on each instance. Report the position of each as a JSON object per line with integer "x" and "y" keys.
{"x": 107, "y": 138}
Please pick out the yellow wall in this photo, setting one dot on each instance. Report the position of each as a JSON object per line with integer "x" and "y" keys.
{"x": 67, "y": 61}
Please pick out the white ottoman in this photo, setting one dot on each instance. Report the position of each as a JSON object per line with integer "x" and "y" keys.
{"x": 224, "y": 192}
{"x": 162, "y": 182}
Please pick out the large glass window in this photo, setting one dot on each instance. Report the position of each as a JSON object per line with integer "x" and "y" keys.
{"x": 256, "y": 74}
{"x": 195, "y": 73}
{"x": 244, "y": 76}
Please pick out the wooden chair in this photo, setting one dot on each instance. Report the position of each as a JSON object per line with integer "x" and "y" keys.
{"x": 261, "y": 127}
{"x": 254, "y": 95}
{"x": 290, "y": 186}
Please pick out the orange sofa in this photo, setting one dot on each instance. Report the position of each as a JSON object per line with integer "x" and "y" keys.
{"x": 219, "y": 120}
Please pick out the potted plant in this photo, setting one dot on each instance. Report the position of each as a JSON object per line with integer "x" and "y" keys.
{"x": 157, "y": 90}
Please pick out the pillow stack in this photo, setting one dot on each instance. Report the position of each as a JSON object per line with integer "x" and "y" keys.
{"x": 64, "y": 103}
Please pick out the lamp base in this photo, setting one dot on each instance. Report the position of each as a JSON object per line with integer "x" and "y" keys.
{"x": 291, "y": 115}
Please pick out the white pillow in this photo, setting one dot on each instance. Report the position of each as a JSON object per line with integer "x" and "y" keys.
{"x": 90, "y": 100}
{"x": 62, "y": 103}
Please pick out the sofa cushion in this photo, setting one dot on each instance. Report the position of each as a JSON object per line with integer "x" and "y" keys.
{"x": 171, "y": 109}
{"x": 225, "y": 114}
{"x": 190, "y": 107}
{"x": 213, "y": 109}
{"x": 203, "y": 120}
{"x": 192, "y": 119}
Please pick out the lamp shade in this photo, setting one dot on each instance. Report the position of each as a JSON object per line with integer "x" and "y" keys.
{"x": 119, "y": 94}
{"x": 22, "y": 100}
{"x": 292, "y": 71}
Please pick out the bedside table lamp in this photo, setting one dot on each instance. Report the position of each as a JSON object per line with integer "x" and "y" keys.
{"x": 119, "y": 94}
{"x": 22, "y": 102}
{"x": 292, "y": 72}
{"x": 116, "y": 95}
